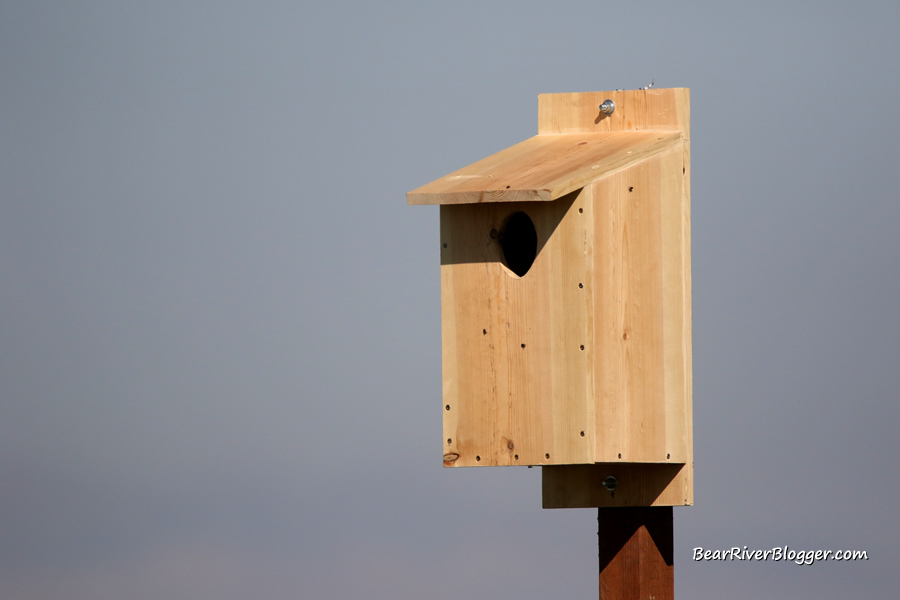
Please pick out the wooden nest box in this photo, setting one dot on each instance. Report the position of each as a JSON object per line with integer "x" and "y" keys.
{"x": 566, "y": 301}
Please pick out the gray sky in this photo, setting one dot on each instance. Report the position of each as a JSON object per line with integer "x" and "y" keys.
{"x": 220, "y": 322}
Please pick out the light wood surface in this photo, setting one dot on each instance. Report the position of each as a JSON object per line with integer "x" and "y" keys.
{"x": 636, "y": 110}
{"x": 544, "y": 167}
{"x": 639, "y": 376}
{"x": 517, "y": 351}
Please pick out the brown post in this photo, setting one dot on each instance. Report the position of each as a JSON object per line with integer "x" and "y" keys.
{"x": 636, "y": 553}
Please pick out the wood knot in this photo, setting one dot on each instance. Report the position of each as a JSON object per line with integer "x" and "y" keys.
{"x": 451, "y": 457}
{"x": 510, "y": 445}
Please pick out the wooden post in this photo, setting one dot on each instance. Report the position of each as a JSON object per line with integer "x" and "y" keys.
{"x": 636, "y": 553}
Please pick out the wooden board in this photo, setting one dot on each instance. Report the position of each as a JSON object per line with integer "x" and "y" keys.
{"x": 544, "y": 167}
{"x": 638, "y": 484}
{"x": 636, "y": 110}
{"x": 517, "y": 351}
{"x": 639, "y": 314}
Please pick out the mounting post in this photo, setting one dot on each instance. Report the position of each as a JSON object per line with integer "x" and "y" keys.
{"x": 636, "y": 553}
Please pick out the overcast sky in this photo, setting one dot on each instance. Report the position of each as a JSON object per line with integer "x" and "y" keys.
{"x": 220, "y": 371}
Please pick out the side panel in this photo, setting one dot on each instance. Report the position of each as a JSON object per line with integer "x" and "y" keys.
{"x": 517, "y": 350}
{"x": 641, "y": 314}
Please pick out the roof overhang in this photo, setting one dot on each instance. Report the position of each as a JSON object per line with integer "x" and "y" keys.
{"x": 546, "y": 167}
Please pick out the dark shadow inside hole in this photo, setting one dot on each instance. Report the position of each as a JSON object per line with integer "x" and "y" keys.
{"x": 519, "y": 243}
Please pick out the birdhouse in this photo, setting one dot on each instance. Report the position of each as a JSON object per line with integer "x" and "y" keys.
{"x": 566, "y": 301}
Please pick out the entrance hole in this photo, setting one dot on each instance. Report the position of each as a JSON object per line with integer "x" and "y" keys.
{"x": 519, "y": 243}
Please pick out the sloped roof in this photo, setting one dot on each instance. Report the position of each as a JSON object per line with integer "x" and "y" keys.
{"x": 545, "y": 167}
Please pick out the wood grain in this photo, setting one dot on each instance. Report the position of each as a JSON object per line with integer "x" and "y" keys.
{"x": 639, "y": 308}
{"x": 544, "y": 167}
{"x": 636, "y": 110}
{"x": 517, "y": 351}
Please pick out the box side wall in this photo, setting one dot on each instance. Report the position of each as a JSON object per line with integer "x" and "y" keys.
{"x": 676, "y": 273}
{"x": 688, "y": 315}
{"x": 640, "y": 332}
